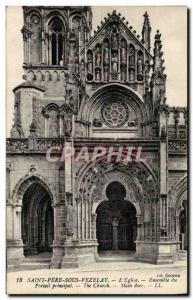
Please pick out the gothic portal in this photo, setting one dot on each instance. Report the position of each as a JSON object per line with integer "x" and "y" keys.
{"x": 97, "y": 159}
{"x": 37, "y": 220}
{"x": 116, "y": 221}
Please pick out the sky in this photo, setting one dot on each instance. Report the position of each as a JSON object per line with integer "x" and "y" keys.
{"x": 170, "y": 20}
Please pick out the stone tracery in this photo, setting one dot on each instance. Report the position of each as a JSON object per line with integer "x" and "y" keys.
{"x": 92, "y": 183}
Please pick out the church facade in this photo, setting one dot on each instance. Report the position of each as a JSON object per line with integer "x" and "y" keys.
{"x": 97, "y": 160}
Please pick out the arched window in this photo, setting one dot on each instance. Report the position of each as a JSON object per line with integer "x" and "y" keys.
{"x": 57, "y": 39}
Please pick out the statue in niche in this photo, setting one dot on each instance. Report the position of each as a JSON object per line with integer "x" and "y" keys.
{"x": 98, "y": 75}
{"x": 98, "y": 56}
{"x": 139, "y": 66}
{"x": 132, "y": 58}
{"x": 82, "y": 72}
{"x": 76, "y": 67}
{"x": 115, "y": 63}
{"x": 72, "y": 51}
{"x": 68, "y": 127}
{"x": 106, "y": 55}
{"x": 114, "y": 40}
{"x": 123, "y": 55}
{"x": 89, "y": 63}
{"x": 106, "y": 74}
{"x": 163, "y": 132}
{"x": 131, "y": 76}
{"x": 123, "y": 73}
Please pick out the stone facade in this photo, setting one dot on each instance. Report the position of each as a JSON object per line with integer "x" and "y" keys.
{"x": 82, "y": 92}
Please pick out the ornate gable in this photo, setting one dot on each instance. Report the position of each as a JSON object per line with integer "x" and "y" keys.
{"x": 114, "y": 23}
{"x": 116, "y": 53}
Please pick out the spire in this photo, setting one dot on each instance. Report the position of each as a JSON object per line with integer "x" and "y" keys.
{"x": 146, "y": 32}
{"x": 158, "y": 54}
{"x": 158, "y": 78}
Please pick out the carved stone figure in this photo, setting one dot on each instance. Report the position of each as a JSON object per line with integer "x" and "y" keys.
{"x": 106, "y": 74}
{"x": 132, "y": 58}
{"x": 131, "y": 76}
{"x": 123, "y": 55}
{"x": 98, "y": 74}
{"x": 90, "y": 62}
{"x": 139, "y": 66}
{"x": 114, "y": 40}
{"x": 115, "y": 63}
{"x": 106, "y": 56}
{"x": 98, "y": 56}
{"x": 97, "y": 123}
{"x": 163, "y": 132}
{"x": 68, "y": 127}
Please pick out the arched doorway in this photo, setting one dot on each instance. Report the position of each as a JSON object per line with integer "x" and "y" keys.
{"x": 116, "y": 220}
{"x": 37, "y": 220}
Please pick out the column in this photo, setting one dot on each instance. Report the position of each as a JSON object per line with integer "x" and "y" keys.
{"x": 127, "y": 64}
{"x": 139, "y": 227}
{"x": 86, "y": 221}
{"x": 110, "y": 65}
{"x": 17, "y": 223}
{"x": 57, "y": 62}
{"x": 61, "y": 122}
{"x": 29, "y": 43}
{"x": 46, "y": 125}
{"x": 115, "y": 234}
{"x": 93, "y": 64}
{"x": 177, "y": 118}
{"x": 102, "y": 71}
{"x": 119, "y": 65}
{"x": 81, "y": 222}
{"x": 43, "y": 46}
{"x": 135, "y": 64}
{"x": 90, "y": 221}
{"x": 78, "y": 219}
{"x": 163, "y": 174}
{"x": 94, "y": 216}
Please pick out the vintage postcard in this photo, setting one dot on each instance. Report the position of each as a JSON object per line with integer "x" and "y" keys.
{"x": 96, "y": 169}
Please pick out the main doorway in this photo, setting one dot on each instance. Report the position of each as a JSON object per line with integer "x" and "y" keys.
{"x": 37, "y": 220}
{"x": 116, "y": 221}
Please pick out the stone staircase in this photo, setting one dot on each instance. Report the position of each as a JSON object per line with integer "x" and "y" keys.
{"x": 116, "y": 256}
{"x": 182, "y": 254}
{"x": 34, "y": 262}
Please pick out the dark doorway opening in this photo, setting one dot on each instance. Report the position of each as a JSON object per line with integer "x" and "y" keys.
{"x": 37, "y": 220}
{"x": 116, "y": 221}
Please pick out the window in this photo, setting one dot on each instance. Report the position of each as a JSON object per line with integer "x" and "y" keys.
{"x": 57, "y": 42}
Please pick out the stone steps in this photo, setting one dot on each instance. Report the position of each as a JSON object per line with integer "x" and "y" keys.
{"x": 115, "y": 259}
{"x": 116, "y": 256}
{"x": 35, "y": 262}
{"x": 182, "y": 254}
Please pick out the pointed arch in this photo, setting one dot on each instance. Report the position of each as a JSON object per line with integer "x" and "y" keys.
{"x": 25, "y": 182}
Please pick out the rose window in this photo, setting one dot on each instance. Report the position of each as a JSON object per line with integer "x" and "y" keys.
{"x": 115, "y": 114}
